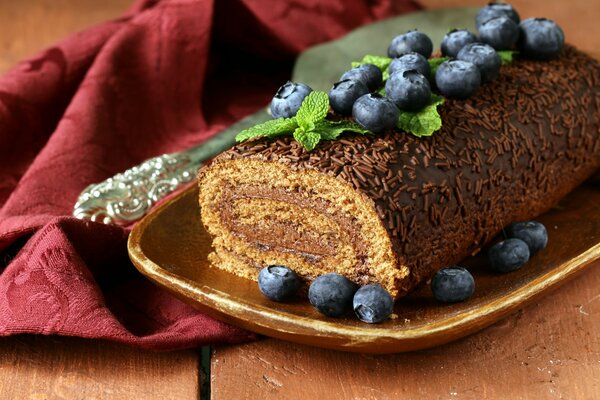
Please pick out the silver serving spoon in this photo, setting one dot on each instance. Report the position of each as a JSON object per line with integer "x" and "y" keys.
{"x": 128, "y": 196}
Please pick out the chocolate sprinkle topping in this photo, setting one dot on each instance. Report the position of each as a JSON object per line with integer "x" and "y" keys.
{"x": 508, "y": 153}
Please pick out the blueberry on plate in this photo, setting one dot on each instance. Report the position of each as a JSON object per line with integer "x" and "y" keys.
{"x": 332, "y": 294}
{"x": 344, "y": 93}
{"x": 409, "y": 90}
{"x": 501, "y": 33}
{"x": 455, "y": 40}
{"x": 375, "y": 112}
{"x": 410, "y": 61}
{"x": 458, "y": 79}
{"x": 372, "y": 304}
{"x": 485, "y": 59}
{"x": 493, "y": 10}
{"x": 508, "y": 255}
{"x": 531, "y": 232}
{"x": 278, "y": 282}
{"x": 540, "y": 38}
{"x": 411, "y": 41}
{"x": 288, "y": 99}
{"x": 452, "y": 284}
{"x": 368, "y": 74}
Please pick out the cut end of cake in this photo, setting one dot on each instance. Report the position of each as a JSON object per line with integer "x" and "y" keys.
{"x": 264, "y": 213}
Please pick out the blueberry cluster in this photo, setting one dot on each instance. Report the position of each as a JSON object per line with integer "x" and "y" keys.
{"x": 335, "y": 295}
{"x": 454, "y": 284}
{"x": 474, "y": 60}
{"x": 331, "y": 294}
{"x": 524, "y": 239}
{"x": 407, "y": 87}
{"x": 500, "y": 26}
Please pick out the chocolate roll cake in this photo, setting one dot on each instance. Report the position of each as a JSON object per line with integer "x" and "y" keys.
{"x": 394, "y": 208}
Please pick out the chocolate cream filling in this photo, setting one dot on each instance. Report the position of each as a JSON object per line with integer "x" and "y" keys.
{"x": 283, "y": 236}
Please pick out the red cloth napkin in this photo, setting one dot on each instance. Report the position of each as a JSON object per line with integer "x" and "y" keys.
{"x": 166, "y": 76}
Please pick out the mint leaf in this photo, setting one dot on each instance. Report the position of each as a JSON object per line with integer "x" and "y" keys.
{"x": 423, "y": 122}
{"x": 506, "y": 56}
{"x": 308, "y": 139}
{"x": 271, "y": 128}
{"x": 380, "y": 62}
{"x": 329, "y": 130}
{"x": 314, "y": 108}
{"x": 434, "y": 63}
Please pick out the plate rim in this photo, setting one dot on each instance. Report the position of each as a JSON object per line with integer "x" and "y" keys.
{"x": 367, "y": 339}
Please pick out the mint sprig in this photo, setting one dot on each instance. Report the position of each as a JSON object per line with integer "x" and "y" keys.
{"x": 308, "y": 139}
{"x": 423, "y": 122}
{"x": 308, "y": 127}
{"x": 379, "y": 61}
{"x": 271, "y": 128}
{"x": 506, "y": 56}
{"x": 330, "y": 130}
{"x": 314, "y": 108}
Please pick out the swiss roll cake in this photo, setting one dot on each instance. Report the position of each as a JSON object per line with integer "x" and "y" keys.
{"x": 392, "y": 208}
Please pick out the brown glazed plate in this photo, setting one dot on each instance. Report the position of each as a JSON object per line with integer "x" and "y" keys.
{"x": 170, "y": 245}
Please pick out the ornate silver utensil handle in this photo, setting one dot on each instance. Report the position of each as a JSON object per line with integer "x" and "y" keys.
{"x": 128, "y": 196}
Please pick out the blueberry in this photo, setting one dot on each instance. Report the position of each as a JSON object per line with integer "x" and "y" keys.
{"x": 411, "y": 41}
{"x": 375, "y": 112}
{"x": 372, "y": 304}
{"x": 485, "y": 59}
{"x": 455, "y": 40}
{"x": 410, "y": 61}
{"x": 344, "y": 93}
{"x": 508, "y": 255}
{"x": 493, "y": 10}
{"x": 452, "y": 284}
{"x": 409, "y": 90}
{"x": 288, "y": 99}
{"x": 368, "y": 74}
{"x": 278, "y": 282}
{"x": 332, "y": 294}
{"x": 540, "y": 38}
{"x": 501, "y": 33}
{"x": 531, "y": 232}
{"x": 456, "y": 78}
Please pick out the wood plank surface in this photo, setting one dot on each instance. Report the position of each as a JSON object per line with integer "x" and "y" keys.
{"x": 549, "y": 350}
{"x": 51, "y": 367}
{"x": 27, "y": 27}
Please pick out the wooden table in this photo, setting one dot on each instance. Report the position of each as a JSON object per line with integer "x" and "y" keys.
{"x": 550, "y": 349}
